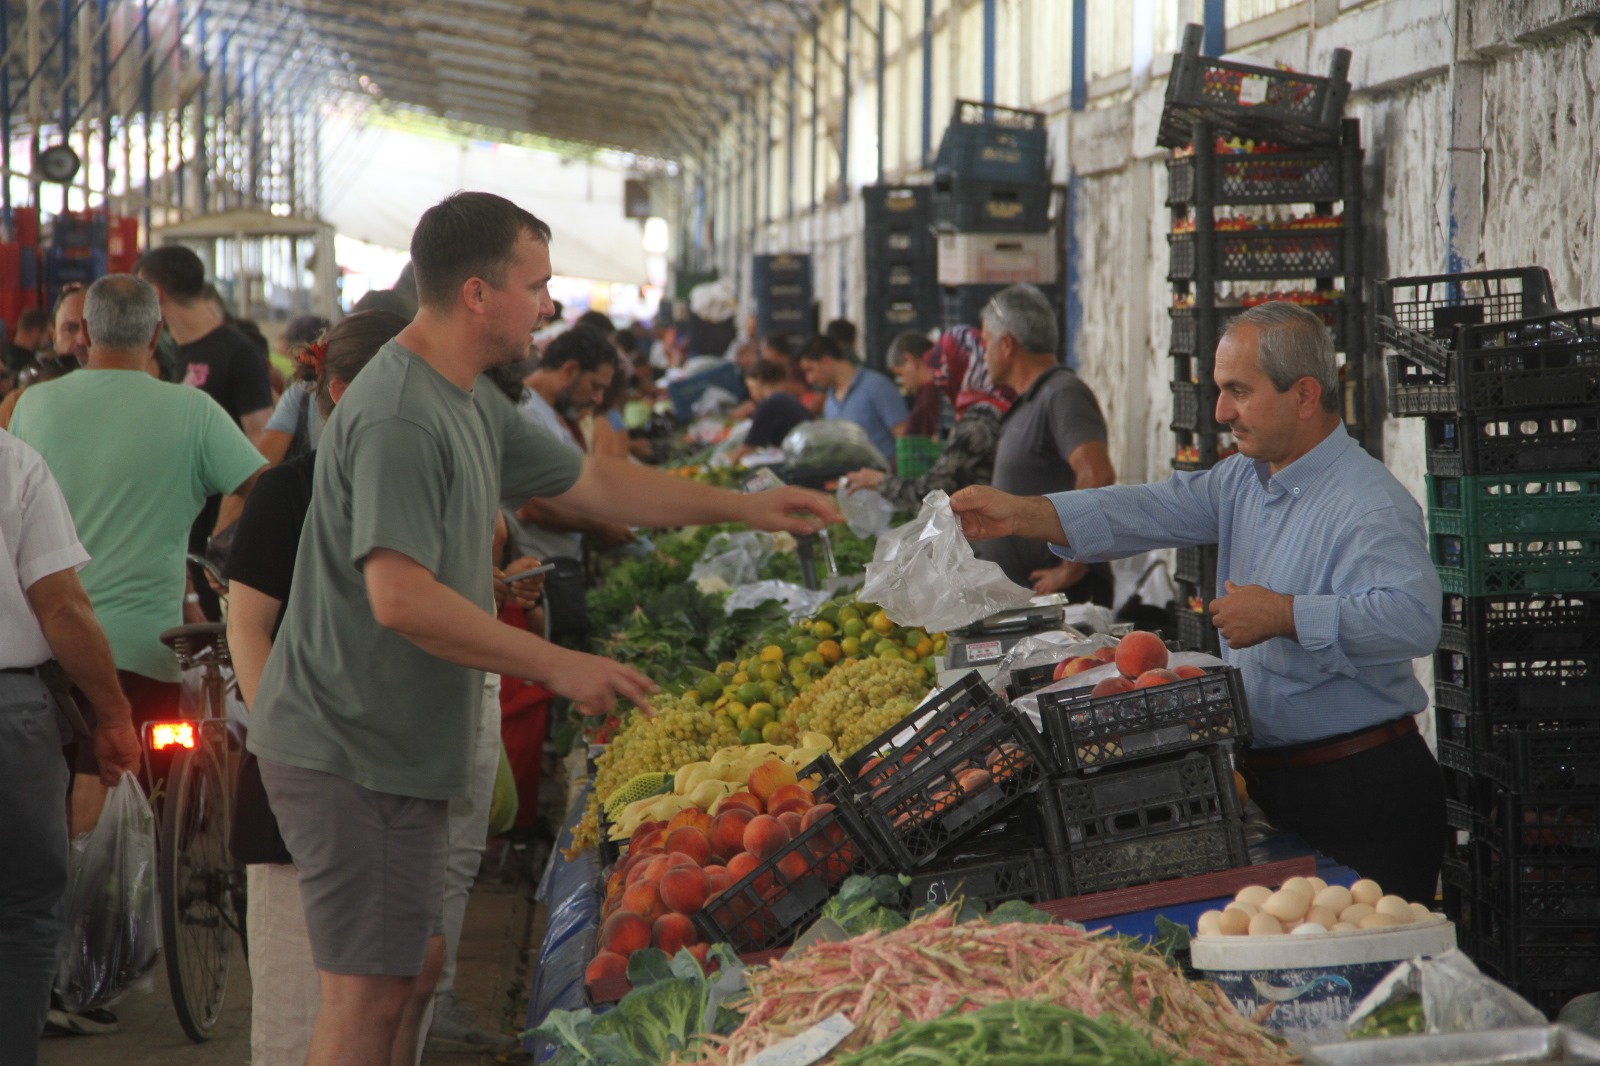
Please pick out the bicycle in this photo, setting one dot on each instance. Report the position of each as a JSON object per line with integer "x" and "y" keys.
{"x": 202, "y": 888}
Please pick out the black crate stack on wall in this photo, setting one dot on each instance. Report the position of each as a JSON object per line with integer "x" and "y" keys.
{"x": 901, "y": 268}
{"x": 1264, "y": 186}
{"x": 1510, "y": 390}
{"x": 785, "y": 298}
{"x": 991, "y": 208}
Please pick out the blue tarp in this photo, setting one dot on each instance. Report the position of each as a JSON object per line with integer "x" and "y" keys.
{"x": 570, "y": 891}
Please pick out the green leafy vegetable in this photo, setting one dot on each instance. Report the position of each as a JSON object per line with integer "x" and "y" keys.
{"x": 866, "y": 903}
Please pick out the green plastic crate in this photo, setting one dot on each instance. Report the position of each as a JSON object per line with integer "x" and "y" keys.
{"x": 914, "y": 455}
{"x": 1518, "y": 503}
{"x": 1492, "y": 564}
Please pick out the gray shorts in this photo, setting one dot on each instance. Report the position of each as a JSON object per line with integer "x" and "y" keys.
{"x": 371, "y": 869}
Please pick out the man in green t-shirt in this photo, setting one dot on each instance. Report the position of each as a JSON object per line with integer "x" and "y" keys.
{"x": 363, "y": 719}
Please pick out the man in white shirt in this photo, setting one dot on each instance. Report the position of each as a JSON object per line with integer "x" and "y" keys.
{"x": 48, "y": 622}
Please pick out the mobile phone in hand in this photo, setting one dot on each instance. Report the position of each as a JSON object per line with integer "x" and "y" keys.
{"x": 524, "y": 575}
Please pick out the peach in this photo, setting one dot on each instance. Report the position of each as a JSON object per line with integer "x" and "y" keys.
{"x": 624, "y": 933}
{"x": 740, "y": 799}
{"x": 606, "y": 966}
{"x": 654, "y": 838}
{"x": 641, "y": 867}
{"x": 1155, "y": 678}
{"x": 1068, "y": 667}
{"x": 685, "y": 889}
{"x": 1112, "y": 686}
{"x": 1188, "y": 671}
{"x": 972, "y": 782}
{"x": 702, "y": 955}
{"x": 741, "y": 866}
{"x": 868, "y": 766}
{"x": 815, "y": 815}
{"x": 656, "y": 867}
{"x": 1139, "y": 652}
{"x": 719, "y": 878}
{"x": 727, "y": 832}
{"x": 691, "y": 817}
{"x": 677, "y": 859}
{"x": 794, "y": 866}
{"x": 793, "y": 821}
{"x": 644, "y": 899}
{"x": 673, "y": 932}
{"x": 789, "y": 794}
{"x": 641, "y": 830}
{"x": 767, "y": 778}
{"x": 691, "y": 841}
{"x": 765, "y": 835}
{"x": 1107, "y": 654}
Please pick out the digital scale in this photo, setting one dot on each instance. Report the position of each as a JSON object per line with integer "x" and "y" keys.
{"x": 982, "y": 645}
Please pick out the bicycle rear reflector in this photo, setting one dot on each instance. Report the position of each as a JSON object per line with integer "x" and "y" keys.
{"x": 164, "y": 735}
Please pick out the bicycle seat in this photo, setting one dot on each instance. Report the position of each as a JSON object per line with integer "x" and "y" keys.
{"x": 190, "y": 641}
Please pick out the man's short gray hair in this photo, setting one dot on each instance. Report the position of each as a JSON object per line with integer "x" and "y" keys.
{"x": 1023, "y": 312}
{"x": 1293, "y": 343}
{"x": 120, "y": 312}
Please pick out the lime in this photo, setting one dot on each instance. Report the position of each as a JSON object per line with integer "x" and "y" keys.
{"x": 750, "y": 692}
{"x": 887, "y": 649}
{"x": 852, "y": 628}
{"x": 750, "y": 736}
{"x": 814, "y": 659}
{"x": 850, "y": 646}
{"x": 725, "y": 669}
{"x": 772, "y": 732}
{"x": 822, "y": 629}
{"x": 848, "y": 614}
{"x": 771, "y": 671}
{"x": 710, "y": 687}
{"x": 762, "y": 713}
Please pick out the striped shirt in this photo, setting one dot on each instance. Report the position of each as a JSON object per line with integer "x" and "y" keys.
{"x": 1335, "y": 530}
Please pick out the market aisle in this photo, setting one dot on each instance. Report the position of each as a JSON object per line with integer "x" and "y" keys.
{"x": 492, "y": 979}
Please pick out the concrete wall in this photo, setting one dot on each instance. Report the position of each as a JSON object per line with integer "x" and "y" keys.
{"x": 1481, "y": 120}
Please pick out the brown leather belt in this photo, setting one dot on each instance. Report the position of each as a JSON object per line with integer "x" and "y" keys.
{"x": 1315, "y": 754}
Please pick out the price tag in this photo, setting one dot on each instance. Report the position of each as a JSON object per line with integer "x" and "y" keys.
{"x": 813, "y": 1045}
{"x": 1252, "y": 90}
{"x": 983, "y": 651}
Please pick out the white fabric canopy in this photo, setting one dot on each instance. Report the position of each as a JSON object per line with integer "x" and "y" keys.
{"x": 378, "y": 181}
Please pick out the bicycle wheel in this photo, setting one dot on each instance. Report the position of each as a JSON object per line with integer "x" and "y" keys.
{"x": 196, "y": 882}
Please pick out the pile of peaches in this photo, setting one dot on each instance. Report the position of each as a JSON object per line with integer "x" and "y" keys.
{"x": 673, "y": 870}
{"x": 1141, "y": 661}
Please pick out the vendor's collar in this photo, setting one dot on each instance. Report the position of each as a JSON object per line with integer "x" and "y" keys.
{"x": 1300, "y": 475}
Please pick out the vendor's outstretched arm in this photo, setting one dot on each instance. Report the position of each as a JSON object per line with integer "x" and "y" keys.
{"x": 987, "y": 512}
{"x": 408, "y": 599}
{"x": 619, "y": 491}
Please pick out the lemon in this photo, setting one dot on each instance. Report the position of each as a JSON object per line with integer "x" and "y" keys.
{"x": 850, "y": 646}
{"x": 830, "y": 651}
{"x": 762, "y": 713}
{"x": 814, "y": 658}
{"x": 881, "y": 622}
{"x": 772, "y": 654}
{"x": 822, "y": 629}
{"x": 725, "y": 669}
{"x": 887, "y": 649}
{"x": 852, "y": 628}
{"x": 710, "y": 687}
{"x": 772, "y": 732}
{"x": 771, "y": 671}
{"x": 924, "y": 648}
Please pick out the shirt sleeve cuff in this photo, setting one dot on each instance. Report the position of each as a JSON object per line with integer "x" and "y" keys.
{"x": 1316, "y": 621}
{"x": 1088, "y": 532}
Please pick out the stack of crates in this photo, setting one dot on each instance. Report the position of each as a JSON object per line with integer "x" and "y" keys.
{"x": 19, "y": 266}
{"x": 991, "y": 207}
{"x": 1146, "y": 789}
{"x": 902, "y": 285}
{"x": 1510, "y": 389}
{"x": 77, "y": 252}
{"x": 1264, "y": 186}
{"x": 782, "y": 289}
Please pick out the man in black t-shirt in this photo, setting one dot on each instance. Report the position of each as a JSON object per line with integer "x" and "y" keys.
{"x": 212, "y": 355}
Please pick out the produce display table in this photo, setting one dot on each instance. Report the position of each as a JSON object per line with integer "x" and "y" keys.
{"x": 570, "y": 891}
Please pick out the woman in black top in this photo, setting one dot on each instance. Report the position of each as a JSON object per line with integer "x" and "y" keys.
{"x": 777, "y": 410}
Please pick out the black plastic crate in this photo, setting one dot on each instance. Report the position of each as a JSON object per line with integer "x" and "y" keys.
{"x": 1552, "y": 361}
{"x": 1529, "y": 442}
{"x": 962, "y": 305}
{"x": 988, "y": 142}
{"x": 1156, "y": 858}
{"x": 1521, "y": 626}
{"x": 1552, "y": 977}
{"x": 892, "y": 278}
{"x": 1203, "y": 589}
{"x": 1496, "y": 564}
{"x": 782, "y": 268}
{"x": 1097, "y": 731}
{"x": 793, "y": 319}
{"x": 1195, "y": 632}
{"x": 1487, "y": 504}
{"x": 1481, "y": 722}
{"x": 1261, "y": 177}
{"x": 1532, "y": 761}
{"x": 1030, "y": 679}
{"x": 1419, "y": 316}
{"x": 785, "y": 893}
{"x": 970, "y": 758}
{"x": 1027, "y": 875}
{"x": 1240, "y": 255}
{"x": 960, "y": 204}
{"x": 1559, "y": 683}
{"x": 1185, "y": 330}
{"x": 1143, "y": 799}
{"x": 1282, "y": 106}
{"x": 1196, "y": 564}
{"x": 1194, "y": 406}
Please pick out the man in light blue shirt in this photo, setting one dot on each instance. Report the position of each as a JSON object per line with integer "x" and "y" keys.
{"x": 1328, "y": 594}
{"x": 855, "y": 393}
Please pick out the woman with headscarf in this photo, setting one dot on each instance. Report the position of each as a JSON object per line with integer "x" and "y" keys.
{"x": 960, "y": 371}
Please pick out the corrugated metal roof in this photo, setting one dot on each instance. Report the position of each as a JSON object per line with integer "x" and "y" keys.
{"x": 656, "y": 77}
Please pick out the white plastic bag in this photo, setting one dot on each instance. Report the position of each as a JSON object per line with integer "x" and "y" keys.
{"x": 1456, "y": 997}
{"x": 866, "y": 512}
{"x": 924, "y": 574}
{"x": 110, "y": 936}
{"x": 799, "y": 602}
{"x": 736, "y": 558}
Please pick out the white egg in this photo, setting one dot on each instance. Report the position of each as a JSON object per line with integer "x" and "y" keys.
{"x": 1334, "y": 897}
{"x": 1297, "y": 884}
{"x": 1234, "y": 922}
{"x": 1323, "y": 916}
{"x": 1286, "y": 905}
{"x": 1366, "y": 891}
{"x": 1265, "y": 925}
{"x": 1394, "y": 907}
{"x": 1207, "y": 924}
{"x": 1317, "y": 884}
{"x": 1250, "y": 909}
{"x": 1355, "y": 912}
{"x": 1254, "y": 895}
{"x": 1419, "y": 913}
{"x": 1378, "y": 921}
{"x": 1309, "y": 927}
{"x": 1344, "y": 927}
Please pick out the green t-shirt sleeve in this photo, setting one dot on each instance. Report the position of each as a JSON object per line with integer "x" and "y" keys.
{"x": 532, "y": 461}
{"x": 227, "y": 458}
{"x": 399, "y": 483}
